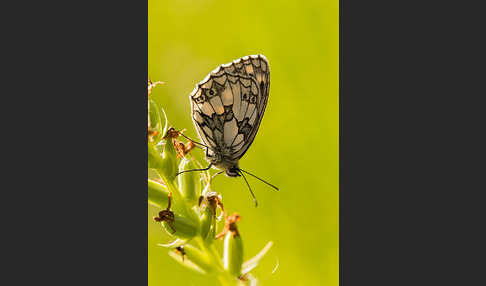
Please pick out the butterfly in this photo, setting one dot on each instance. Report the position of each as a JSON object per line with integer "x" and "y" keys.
{"x": 227, "y": 109}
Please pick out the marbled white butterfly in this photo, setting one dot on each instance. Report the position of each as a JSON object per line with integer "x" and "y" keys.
{"x": 227, "y": 108}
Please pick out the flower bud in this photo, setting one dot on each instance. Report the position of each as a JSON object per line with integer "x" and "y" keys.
{"x": 180, "y": 227}
{"x": 155, "y": 123}
{"x": 156, "y": 132}
{"x": 169, "y": 160}
{"x": 157, "y": 193}
{"x": 153, "y": 156}
{"x": 206, "y": 222}
{"x": 189, "y": 182}
{"x": 233, "y": 254}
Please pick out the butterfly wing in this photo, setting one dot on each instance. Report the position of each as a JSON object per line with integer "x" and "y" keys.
{"x": 228, "y": 105}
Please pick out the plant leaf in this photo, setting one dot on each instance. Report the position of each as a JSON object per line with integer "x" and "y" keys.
{"x": 176, "y": 243}
{"x": 253, "y": 262}
{"x": 187, "y": 263}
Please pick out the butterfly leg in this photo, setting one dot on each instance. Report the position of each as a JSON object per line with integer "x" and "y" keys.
{"x": 205, "y": 169}
{"x": 220, "y": 172}
{"x": 197, "y": 144}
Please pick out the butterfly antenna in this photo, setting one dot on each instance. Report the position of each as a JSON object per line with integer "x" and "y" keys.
{"x": 204, "y": 169}
{"x": 259, "y": 179}
{"x": 256, "y": 203}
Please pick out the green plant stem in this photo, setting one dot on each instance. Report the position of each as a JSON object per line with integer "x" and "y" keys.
{"x": 225, "y": 280}
{"x": 210, "y": 250}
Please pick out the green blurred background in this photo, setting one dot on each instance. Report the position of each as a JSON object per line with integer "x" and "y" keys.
{"x": 297, "y": 145}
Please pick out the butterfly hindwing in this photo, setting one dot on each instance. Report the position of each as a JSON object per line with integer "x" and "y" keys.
{"x": 228, "y": 105}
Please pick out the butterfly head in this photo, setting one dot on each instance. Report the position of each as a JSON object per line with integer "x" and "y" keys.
{"x": 222, "y": 161}
{"x": 233, "y": 171}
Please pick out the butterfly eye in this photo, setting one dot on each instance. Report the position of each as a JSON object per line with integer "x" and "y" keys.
{"x": 252, "y": 99}
{"x": 211, "y": 92}
{"x": 233, "y": 171}
{"x": 245, "y": 97}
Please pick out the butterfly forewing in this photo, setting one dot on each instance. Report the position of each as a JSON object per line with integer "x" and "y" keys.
{"x": 228, "y": 106}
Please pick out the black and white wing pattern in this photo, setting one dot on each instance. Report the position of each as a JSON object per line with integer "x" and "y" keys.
{"x": 227, "y": 108}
